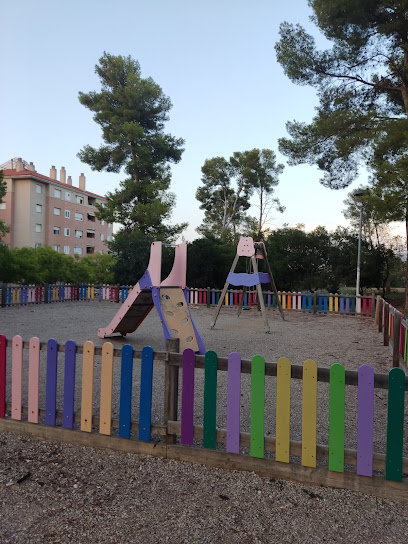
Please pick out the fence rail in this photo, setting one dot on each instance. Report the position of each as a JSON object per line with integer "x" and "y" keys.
{"x": 224, "y": 447}
{"x": 322, "y": 303}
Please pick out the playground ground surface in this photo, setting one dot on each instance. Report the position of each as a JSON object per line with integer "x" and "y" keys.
{"x": 79, "y": 494}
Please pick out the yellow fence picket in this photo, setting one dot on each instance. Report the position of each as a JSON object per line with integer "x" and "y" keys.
{"x": 283, "y": 410}
{"x": 106, "y": 389}
{"x": 87, "y": 386}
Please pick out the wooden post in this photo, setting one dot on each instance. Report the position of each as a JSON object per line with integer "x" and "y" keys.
{"x": 208, "y": 297}
{"x": 373, "y": 309}
{"x": 396, "y": 340}
{"x": 171, "y": 381}
{"x": 386, "y": 324}
{"x": 377, "y": 310}
{"x": 117, "y": 298}
{"x": 380, "y": 314}
{"x": 314, "y": 304}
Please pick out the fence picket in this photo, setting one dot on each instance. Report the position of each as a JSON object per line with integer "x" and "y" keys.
{"x": 257, "y": 406}
{"x": 69, "y": 385}
{"x": 187, "y": 398}
{"x": 337, "y": 417}
{"x": 126, "y": 379}
{"x": 210, "y": 400}
{"x": 283, "y": 410}
{"x": 309, "y": 413}
{"x": 395, "y": 425}
{"x": 33, "y": 379}
{"x": 233, "y": 402}
{"x": 365, "y": 421}
{"x": 51, "y": 383}
{"x": 3, "y": 366}
{"x": 87, "y": 386}
{"x": 17, "y": 378}
{"x": 105, "y": 408}
{"x": 146, "y": 388}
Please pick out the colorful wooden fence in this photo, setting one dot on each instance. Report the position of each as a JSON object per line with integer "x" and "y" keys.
{"x": 11, "y": 295}
{"x": 266, "y": 455}
{"x": 394, "y": 326}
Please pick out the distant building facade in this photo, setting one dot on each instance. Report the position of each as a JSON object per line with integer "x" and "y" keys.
{"x": 42, "y": 210}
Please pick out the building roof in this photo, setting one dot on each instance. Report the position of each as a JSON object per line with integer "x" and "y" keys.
{"x": 12, "y": 172}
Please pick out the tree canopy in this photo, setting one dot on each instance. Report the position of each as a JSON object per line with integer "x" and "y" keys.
{"x": 362, "y": 85}
{"x": 132, "y": 112}
{"x": 227, "y": 186}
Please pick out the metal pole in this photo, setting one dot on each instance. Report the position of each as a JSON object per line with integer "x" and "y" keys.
{"x": 358, "y": 299}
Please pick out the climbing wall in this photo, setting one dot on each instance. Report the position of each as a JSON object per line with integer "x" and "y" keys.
{"x": 177, "y": 317}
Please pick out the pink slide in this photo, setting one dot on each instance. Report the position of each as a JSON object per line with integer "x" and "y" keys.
{"x": 169, "y": 297}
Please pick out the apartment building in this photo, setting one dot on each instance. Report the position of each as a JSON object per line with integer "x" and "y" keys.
{"x": 42, "y": 210}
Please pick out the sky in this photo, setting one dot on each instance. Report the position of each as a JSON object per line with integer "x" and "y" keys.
{"x": 214, "y": 59}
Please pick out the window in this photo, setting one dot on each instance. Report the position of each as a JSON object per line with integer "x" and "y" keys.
{"x": 91, "y": 200}
{"x": 80, "y": 199}
{"x": 67, "y": 195}
{"x": 57, "y": 230}
{"x": 101, "y": 251}
{"x": 77, "y": 250}
{"x": 57, "y": 193}
{"x": 91, "y": 217}
{"x": 66, "y": 250}
{"x": 90, "y": 250}
{"x": 37, "y": 245}
{"x": 2, "y": 205}
{"x": 90, "y": 233}
{"x": 101, "y": 236}
{"x": 109, "y": 238}
{"x": 38, "y": 189}
{"x": 102, "y": 222}
{"x": 79, "y": 216}
{"x": 38, "y": 227}
{"x": 57, "y": 211}
{"x": 56, "y": 248}
{"x": 78, "y": 234}
{"x": 66, "y": 232}
{"x": 38, "y": 208}
{"x": 67, "y": 214}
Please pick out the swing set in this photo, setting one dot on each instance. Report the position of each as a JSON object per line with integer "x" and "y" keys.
{"x": 253, "y": 251}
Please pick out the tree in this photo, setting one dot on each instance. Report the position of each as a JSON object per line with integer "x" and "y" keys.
{"x": 227, "y": 188}
{"x": 132, "y": 112}
{"x": 3, "y": 190}
{"x": 260, "y": 170}
{"x": 362, "y": 85}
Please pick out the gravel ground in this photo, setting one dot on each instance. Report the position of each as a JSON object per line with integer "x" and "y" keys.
{"x": 78, "y": 494}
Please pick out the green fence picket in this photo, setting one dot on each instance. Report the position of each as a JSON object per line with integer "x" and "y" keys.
{"x": 257, "y": 406}
{"x": 336, "y": 417}
{"x": 210, "y": 400}
{"x": 395, "y": 425}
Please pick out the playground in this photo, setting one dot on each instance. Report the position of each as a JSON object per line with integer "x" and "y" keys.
{"x": 91, "y": 396}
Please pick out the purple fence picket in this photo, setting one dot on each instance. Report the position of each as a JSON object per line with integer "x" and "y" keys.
{"x": 233, "y": 402}
{"x": 187, "y": 398}
{"x": 51, "y": 383}
{"x": 365, "y": 420}
{"x": 69, "y": 385}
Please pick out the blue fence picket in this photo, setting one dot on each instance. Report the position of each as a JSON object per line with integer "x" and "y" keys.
{"x": 126, "y": 378}
{"x": 146, "y": 386}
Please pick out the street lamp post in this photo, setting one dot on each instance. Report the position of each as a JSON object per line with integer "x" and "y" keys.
{"x": 356, "y": 196}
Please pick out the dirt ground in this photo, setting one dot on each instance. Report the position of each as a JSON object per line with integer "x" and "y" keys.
{"x": 79, "y": 494}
